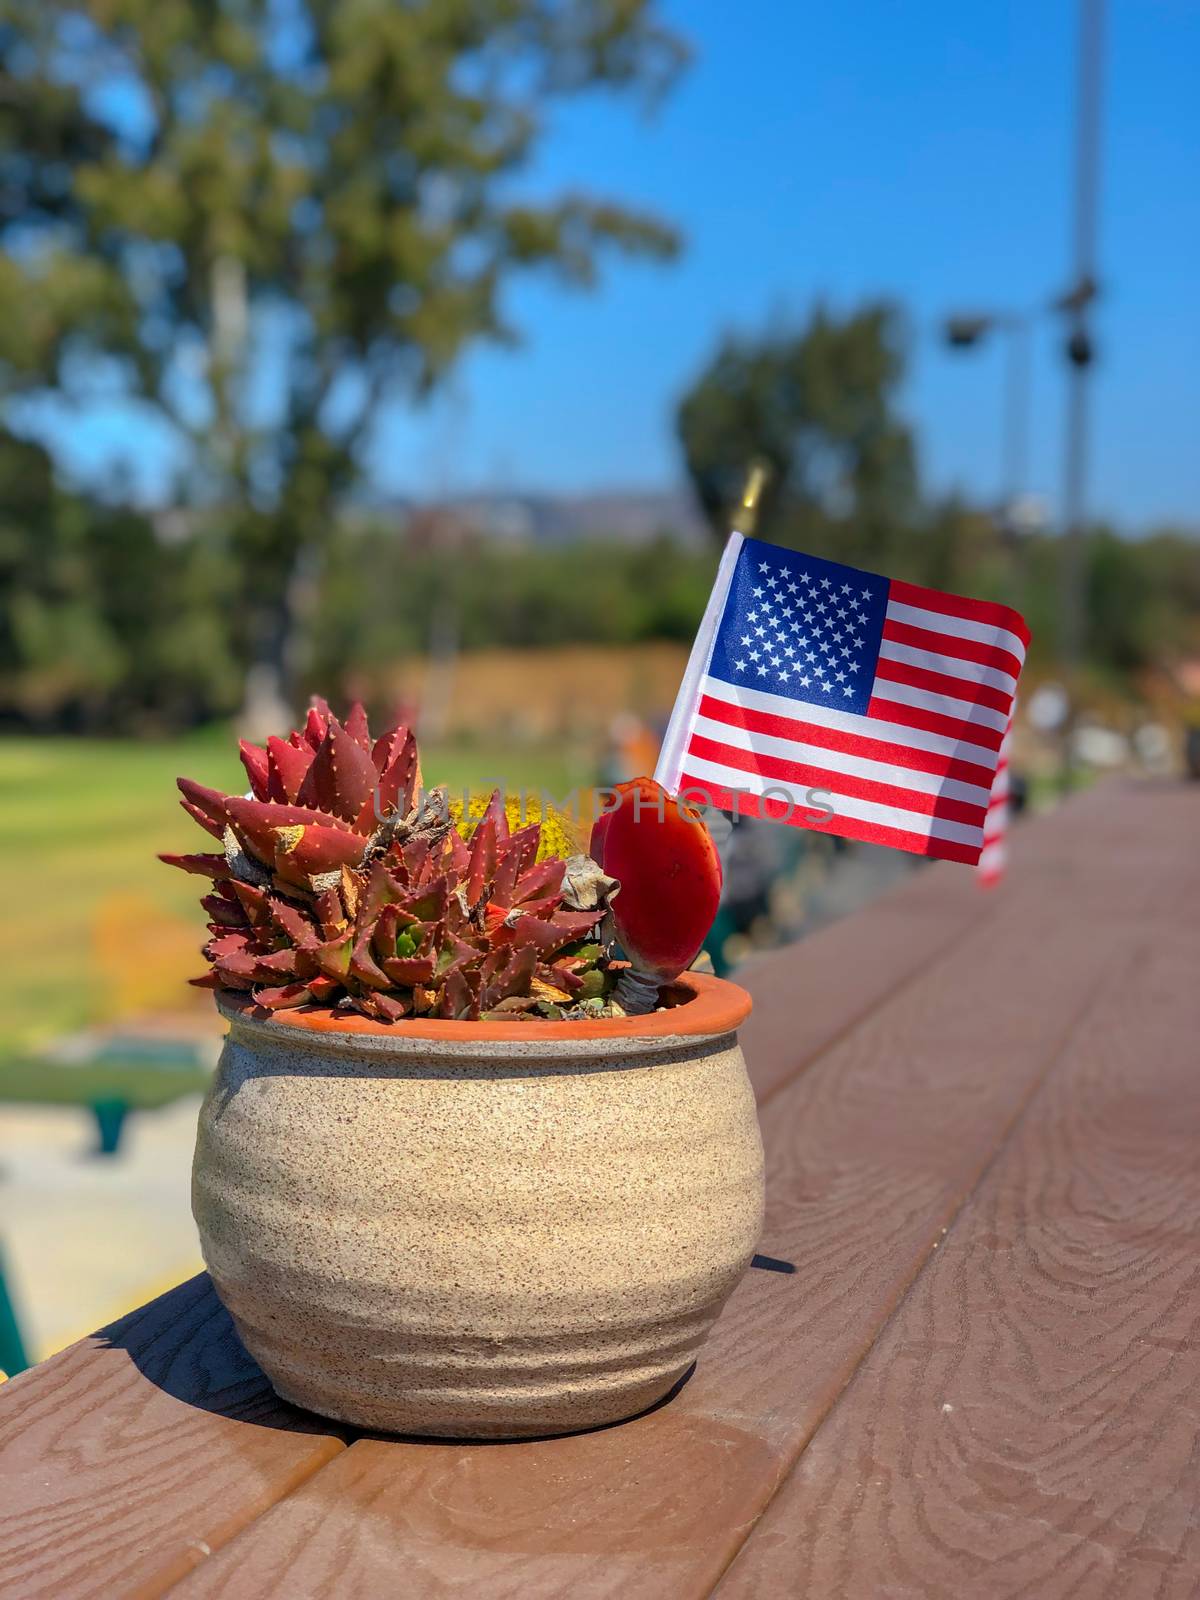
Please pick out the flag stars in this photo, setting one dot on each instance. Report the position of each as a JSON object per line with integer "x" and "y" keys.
{"x": 757, "y": 593}
{"x": 840, "y": 676}
{"x": 764, "y": 566}
{"x": 854, "y": 666}
{"x": 746, "y": 640}
{"x": 845, "y": 589}
{"x": 805, "y": 681}
{"x": 762, "y": 672}
{"x": 740, "y": 666}
{"x": 772, "y": 581}
{"x": 828, "y": 687}
{"x": 848, "y": 692}
{"x": 806, "y": 577}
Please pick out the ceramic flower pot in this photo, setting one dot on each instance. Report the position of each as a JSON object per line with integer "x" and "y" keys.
{"x": 480, "y": 1230}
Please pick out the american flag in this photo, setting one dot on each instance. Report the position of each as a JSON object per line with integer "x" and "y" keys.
{"x": 814, "y": 687}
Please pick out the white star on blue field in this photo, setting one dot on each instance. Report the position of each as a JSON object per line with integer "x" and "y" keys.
{"x": 798, "y": 626}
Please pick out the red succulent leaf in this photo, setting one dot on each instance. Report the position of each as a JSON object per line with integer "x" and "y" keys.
{"x": 364, "y": 968}
{"x": 380, "y": 890}
{"x": 457, "y": 853}
{"x": 395, "y": 760}
{"x": 356, "y": 726}
{"x": 206, "y": 805}
{"x": 284, "y": 997}
{"x": 255, "y": 823}
{"x": 498, "y": 815}
{"x": 428, "y": 903}
{"x": 304, "y": 853}
{"x": 207, "y": 866}
{"x": 292, "y": 922}
{"x": 538, "y": 934}
{"x": 254, "y": 759}
{"x": 322, "y": 988}
{"x": 333, "y": 958}
{"x": 511, "y": 977}
{"x": 461, "y": 995}
{"x": 222, "y": 911}
{"x": 516, "y": 857}
{"x": 669, "y": 872}
{"x": 314, "y": 727}
{"x": 208, "y": 981}
{"x": 536, "y": 880}
{"x": 253, "y": 901}
{"x": 409, "y": 970}
{"x": 331, "y": 914}
{"x": 341, "y": 779}
{"x": 560, "y": 974}
{"x": 226, "y": 943}
{"x": 287, "y": 765}
{"x": 481, "y": 868}
{"x": 381, "y": 1007}
{"x": 238, "y": 964}
{"x": 280, "y": 963}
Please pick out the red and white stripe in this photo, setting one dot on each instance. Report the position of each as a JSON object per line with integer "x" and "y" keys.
{"x": 916, "y": 772}
{"x": 993, "y": 859}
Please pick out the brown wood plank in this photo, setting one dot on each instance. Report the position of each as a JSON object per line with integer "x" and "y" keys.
{"x": 1027, "y": 1424}
{"x": 871, "y": 1152}
{"x": 129, "y": 1457}
{"x": 851, "y": 967}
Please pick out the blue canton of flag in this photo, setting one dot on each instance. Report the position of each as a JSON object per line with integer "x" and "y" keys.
{"x": 797, "y": 626}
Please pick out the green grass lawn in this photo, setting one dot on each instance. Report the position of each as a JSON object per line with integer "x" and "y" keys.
{"x": 95, "y": 928}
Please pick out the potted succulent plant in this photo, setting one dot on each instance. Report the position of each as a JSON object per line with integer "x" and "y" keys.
{"x": 461, "y": 1171}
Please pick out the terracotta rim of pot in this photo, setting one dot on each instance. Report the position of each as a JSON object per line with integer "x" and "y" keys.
{"x": 696, "y": 1004}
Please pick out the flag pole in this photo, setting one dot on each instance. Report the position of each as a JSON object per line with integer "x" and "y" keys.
{"x": 745, "y": 518}
{"x": 679, "y": 730}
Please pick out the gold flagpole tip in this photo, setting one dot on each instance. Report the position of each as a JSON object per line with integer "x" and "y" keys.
{"x": 745, "y": 518}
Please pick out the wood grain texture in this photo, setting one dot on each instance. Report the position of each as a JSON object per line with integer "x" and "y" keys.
{"x": 871, "y": 1153}
{"x": 1027, "y": 1425}
{"x": 129, "y": 1457}
{"x": 850, "y": 968}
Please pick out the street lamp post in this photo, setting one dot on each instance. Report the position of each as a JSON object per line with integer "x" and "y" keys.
{"x": 965, "y": 331}
{"x": 1075, "y": 305}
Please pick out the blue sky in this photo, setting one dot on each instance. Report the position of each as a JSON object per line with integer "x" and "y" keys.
{"x": 920, "y": 151}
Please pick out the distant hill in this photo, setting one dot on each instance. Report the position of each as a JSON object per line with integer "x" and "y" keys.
{"x": 631, "y": 516}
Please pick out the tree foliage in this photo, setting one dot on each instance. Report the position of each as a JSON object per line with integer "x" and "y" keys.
{"x": 262, "y": 218}
{"x": 819, "y": 405}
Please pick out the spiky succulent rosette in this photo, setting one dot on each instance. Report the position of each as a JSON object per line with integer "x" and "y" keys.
{"x": 337, "y": 884}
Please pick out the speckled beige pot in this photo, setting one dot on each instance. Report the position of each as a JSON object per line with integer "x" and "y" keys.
{"x": 480, "y": 1230}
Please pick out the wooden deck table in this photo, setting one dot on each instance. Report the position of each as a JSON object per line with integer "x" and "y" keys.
{"x": 967, "y": 1365}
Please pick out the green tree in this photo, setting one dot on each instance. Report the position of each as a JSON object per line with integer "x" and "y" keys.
{"x": 264, "y": 218}
{"x": 820, "y": 406}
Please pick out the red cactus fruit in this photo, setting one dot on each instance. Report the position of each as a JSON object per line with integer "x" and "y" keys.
{"x": 670, "y": 876}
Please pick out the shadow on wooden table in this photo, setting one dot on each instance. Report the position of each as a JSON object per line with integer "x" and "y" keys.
{"x": 185, "y": 1344}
